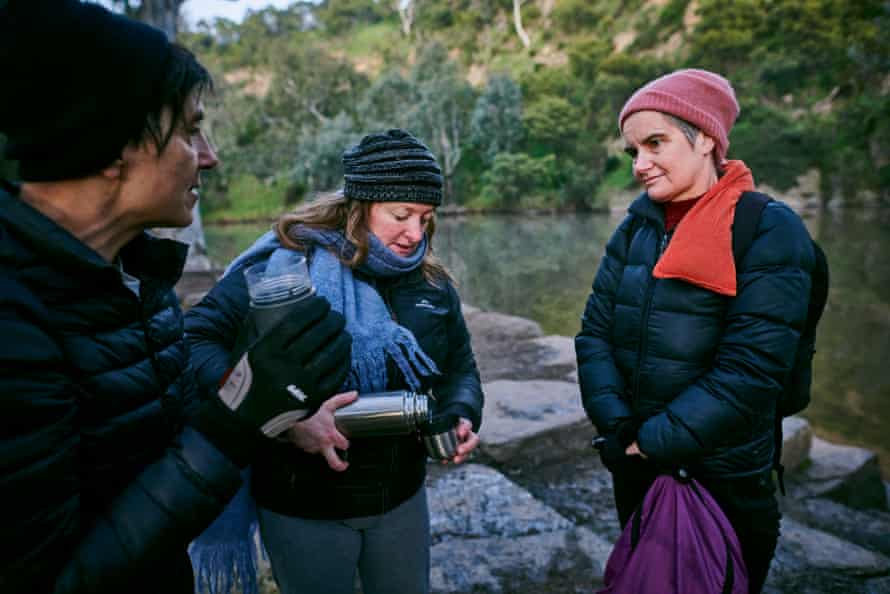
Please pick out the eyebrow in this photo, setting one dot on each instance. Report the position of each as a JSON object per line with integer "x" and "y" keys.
{"x": 649, "y": 138}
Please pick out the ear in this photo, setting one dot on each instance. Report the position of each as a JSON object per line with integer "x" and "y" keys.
{"x": 115, "y": 171}
{"x": 705, "y": 143}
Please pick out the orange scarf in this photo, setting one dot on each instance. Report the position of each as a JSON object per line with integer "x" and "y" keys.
{"x": 700, "y": 251}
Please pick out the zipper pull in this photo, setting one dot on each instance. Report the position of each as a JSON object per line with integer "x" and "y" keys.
{"x": 663, "y": 245}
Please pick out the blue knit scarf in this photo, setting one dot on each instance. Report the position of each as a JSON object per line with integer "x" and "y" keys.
{"x": 227, "y": 547}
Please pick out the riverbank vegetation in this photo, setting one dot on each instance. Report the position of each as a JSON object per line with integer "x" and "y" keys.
{"x": 518, "y": 98}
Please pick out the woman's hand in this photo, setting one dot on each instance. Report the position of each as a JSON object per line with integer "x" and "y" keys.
{"x": 467, "y": 441}
{"x": 634, "y": 450}
{"x": 319, "y": 435}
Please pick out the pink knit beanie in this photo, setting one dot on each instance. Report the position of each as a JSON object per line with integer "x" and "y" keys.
{"x": 704, "y": 99}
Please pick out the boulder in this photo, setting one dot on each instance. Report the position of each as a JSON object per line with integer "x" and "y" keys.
{"x": 490, "y": 535}
{"x": 537, "y": 421}
{"x": 867, "y": 528}
{"x": 797, "y": 439}
{"x": 847, "y": 474}
{"x": 818, "y": 550}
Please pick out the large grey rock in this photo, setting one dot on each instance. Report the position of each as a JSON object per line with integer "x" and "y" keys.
{"x": 797, "y": 439}
{"x": 538, "y": 421}
{"x": 822, "y": 551}
{"x": 847, "y": 474}
{"x": 867, "y": 528}
{"x": 496, "y": 328}
{"x": 490, "y": 535}
{"x": 475, "y": 501}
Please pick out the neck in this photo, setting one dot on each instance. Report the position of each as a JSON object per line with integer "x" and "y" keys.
{"x": 86, "y": 209}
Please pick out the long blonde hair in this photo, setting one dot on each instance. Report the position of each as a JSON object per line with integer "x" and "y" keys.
{"x": 334, "y": 211}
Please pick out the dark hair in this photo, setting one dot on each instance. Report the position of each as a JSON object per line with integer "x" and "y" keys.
{"x": 183, "y": 75}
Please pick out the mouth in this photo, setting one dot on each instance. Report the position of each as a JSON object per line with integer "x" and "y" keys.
{"x": 405, "y": 249}
{"x": 194, "y": 190}
{"x": 650, "y": 180}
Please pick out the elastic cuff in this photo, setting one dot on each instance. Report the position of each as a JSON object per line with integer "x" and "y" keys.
{"x": 460, "y": 409}
{"x": 235, "y": 438}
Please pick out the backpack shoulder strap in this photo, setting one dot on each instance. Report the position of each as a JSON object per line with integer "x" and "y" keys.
{"x": 744, "y": 223}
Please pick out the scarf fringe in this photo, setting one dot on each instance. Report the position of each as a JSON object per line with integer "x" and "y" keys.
{"x": 225, "y": 566}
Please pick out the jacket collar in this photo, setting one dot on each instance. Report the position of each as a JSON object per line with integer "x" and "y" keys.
{"x": 145, "y": 257}
{"x": 644, "y": 207}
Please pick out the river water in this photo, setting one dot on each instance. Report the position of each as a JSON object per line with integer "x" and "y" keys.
{"x": 541, "y": 267}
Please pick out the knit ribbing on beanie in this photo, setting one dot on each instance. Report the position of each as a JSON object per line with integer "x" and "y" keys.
{"x": 392, "y": 167}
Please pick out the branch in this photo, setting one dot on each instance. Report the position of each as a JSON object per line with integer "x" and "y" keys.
{"x": 517, "y": 23}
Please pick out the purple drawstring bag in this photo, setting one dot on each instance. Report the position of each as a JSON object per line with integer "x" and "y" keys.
{"x": 678, "y": 541}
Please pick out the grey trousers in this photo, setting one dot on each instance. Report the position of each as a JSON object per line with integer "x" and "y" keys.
{"x": 391, "y": 551}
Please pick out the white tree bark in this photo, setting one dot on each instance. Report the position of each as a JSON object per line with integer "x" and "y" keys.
{"x": 406, "y": 10}
{"x": 517, "y": 23}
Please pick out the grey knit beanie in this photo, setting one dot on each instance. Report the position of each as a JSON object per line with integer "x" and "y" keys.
{"x": 392, "y": 167}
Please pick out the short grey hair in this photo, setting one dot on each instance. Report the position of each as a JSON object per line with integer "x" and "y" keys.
{"x": 688, "y": 130}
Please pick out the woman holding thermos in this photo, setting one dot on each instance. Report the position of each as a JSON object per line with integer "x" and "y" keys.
{"x": 328, "y": 504}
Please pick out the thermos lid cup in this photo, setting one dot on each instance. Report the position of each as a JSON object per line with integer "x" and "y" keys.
{"x": 440, "y": 436}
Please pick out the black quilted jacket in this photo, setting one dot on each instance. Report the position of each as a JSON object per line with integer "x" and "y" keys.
{"x": 98, "y": 472}
{"x": 383, "y": 472}
{"x": 702, "y": 372}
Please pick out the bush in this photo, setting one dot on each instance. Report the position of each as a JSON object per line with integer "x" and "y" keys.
{"x": 518, "y": 180}
{"x": 248, "y": 198}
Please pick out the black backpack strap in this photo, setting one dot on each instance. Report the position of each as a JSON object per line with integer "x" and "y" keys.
{"x": 745, "y": 222}
{"x": 744, "y": 226}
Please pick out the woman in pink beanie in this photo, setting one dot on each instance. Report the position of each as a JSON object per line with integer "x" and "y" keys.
{"x": 683, "y": 351}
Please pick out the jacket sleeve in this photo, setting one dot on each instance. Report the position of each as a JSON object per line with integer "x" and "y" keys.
{"x": 166, "y": 506}
{"x": 212, "y": 327}
{"x": 460, "y": 390}
{"x": 601, "y": 383}
{"x": 756, "y": 351}
{"x": 164, "y": 509}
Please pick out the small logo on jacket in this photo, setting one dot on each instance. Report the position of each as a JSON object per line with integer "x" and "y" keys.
{"x": 296, "y": 392}
{"x": 425, "y": 304}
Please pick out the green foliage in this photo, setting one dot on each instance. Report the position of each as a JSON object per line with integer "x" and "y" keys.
{"x": 585, "y": 56}
{"x": 248, "y": 198}
{"x": 340, "y": 16}
{"x": 318, "y": 166}
{"x": 519, "y": 180}
{"x": 575, "y": 16}
{"x": 297, "y": 86}
{"x": 552, "y": 122}
{"x": 496, "y": 122}
{"x": 775, "y": 146}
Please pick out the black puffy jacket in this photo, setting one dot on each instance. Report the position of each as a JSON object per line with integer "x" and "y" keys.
{"x": 702, "y": 372}
{"x": 98, "y": 474}
{"x": 383, "y": 472}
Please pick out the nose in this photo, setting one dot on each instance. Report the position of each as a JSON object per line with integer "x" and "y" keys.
{"x": 641, "y": 163}
{"x": 414, "y": 230}
{"x": 207, "y": 158}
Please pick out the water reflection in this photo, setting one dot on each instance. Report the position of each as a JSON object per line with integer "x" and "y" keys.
{"x": 542, "y": 267}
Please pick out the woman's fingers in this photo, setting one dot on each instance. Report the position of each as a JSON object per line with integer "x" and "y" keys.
{"x": 340, "y": 400}
{"x": 334, "y": 460}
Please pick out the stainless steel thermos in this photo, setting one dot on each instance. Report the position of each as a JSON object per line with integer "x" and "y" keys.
{"x": 383, "y": 413}
{"x": 400, "y": 412}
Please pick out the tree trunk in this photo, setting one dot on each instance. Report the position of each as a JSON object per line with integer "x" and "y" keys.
{"x": 163, "y": 14}
{"x": 517, "y": 23}
{"x": 406, "y": 15}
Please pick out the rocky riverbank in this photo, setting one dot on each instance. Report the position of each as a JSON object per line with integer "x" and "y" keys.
{"x": 533, "y": 511}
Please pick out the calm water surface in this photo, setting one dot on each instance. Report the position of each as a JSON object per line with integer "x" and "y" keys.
{"x": 541, "y": 267}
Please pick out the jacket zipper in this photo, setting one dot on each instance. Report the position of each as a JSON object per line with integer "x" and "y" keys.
{"x": 644, "y": 321}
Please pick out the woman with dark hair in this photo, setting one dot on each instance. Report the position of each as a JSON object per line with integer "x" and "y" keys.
{"x": 682, "y": 357}
{"x": 369, "y": 248}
